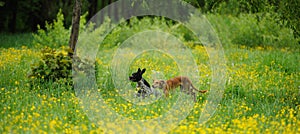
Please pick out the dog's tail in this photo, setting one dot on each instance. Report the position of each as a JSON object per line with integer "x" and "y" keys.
{"x": 201, "y": 91}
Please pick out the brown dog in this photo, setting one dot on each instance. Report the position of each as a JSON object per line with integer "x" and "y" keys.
{"x": 184, "y": 82}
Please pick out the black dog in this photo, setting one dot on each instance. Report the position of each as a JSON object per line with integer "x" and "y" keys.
{"x": 145, "y": 88}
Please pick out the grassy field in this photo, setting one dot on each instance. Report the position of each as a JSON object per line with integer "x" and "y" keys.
{"x": 261, "y": 96}
{"x": 261, "y": 93}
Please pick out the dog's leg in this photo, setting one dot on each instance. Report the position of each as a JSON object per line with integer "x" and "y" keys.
{"x": 155, "y": 93}
{"x": 143, "y": 94}
{"x": 185, "y": 87}
{"x": 182, "y": 89}
{"x": 166, "y": 92}
{"x": 158, "y": 94}
{"x": 194, "y": 96}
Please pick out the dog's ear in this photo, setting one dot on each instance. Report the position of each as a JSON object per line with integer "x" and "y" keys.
{"x": 139, "y": 70}
{"x": 143, "y": 71}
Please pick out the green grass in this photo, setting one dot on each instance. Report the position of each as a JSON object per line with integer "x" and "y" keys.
{"x": 261, "y": 93}
{"x": 16, "y": 40}
{"x": 263, "y": 83}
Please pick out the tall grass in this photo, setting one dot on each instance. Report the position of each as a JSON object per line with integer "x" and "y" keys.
{"x": 16, "y": 40}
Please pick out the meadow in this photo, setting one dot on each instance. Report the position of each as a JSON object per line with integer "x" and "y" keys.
{"x": 261, "y": 93}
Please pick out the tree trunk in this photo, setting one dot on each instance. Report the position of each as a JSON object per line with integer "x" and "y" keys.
{"x": 13, "y": 23}
{"x": 75, "y": 26}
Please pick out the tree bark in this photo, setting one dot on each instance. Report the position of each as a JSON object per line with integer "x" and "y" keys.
{"x": 75, "y": 26}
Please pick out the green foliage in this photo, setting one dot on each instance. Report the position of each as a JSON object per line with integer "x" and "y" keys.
{"x": 286, "y": 11}
{"x": 127, "y": 29}
{"x": 15, "y": 40}
{"x": 55, "y": 65}
{"x": 249, "y": 31}
{"x": 2, "y": 3}
{"x": 55, "y": 35}
{"x": 262, "y": 33}
{"x": 237, "y": 7}
{"x": 290, "y": 13}
{"x": 246, "y": 29}
{"x": 83, "y": 66}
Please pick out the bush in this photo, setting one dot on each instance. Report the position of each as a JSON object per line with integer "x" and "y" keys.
{"x": 135, "y": 25}
{"x": 249, "y": 31}
{"x": 55, "y": 66}
{"x": 55, "y": 35}
{"x": 260, "y": 29}
{"x": 265, "y": 32}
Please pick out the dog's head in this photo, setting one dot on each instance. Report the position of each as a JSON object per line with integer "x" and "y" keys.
{"x": 158, "y": 84}
{"x": 137, "y": 76}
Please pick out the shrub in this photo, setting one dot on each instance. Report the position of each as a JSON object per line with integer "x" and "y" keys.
{"x": 135, "y": 25}
{"x": 252, "y": 30}
{"x": 265, "y": 32}
{"x": 55, "y": 34}
{"x": 55, "y": 65}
